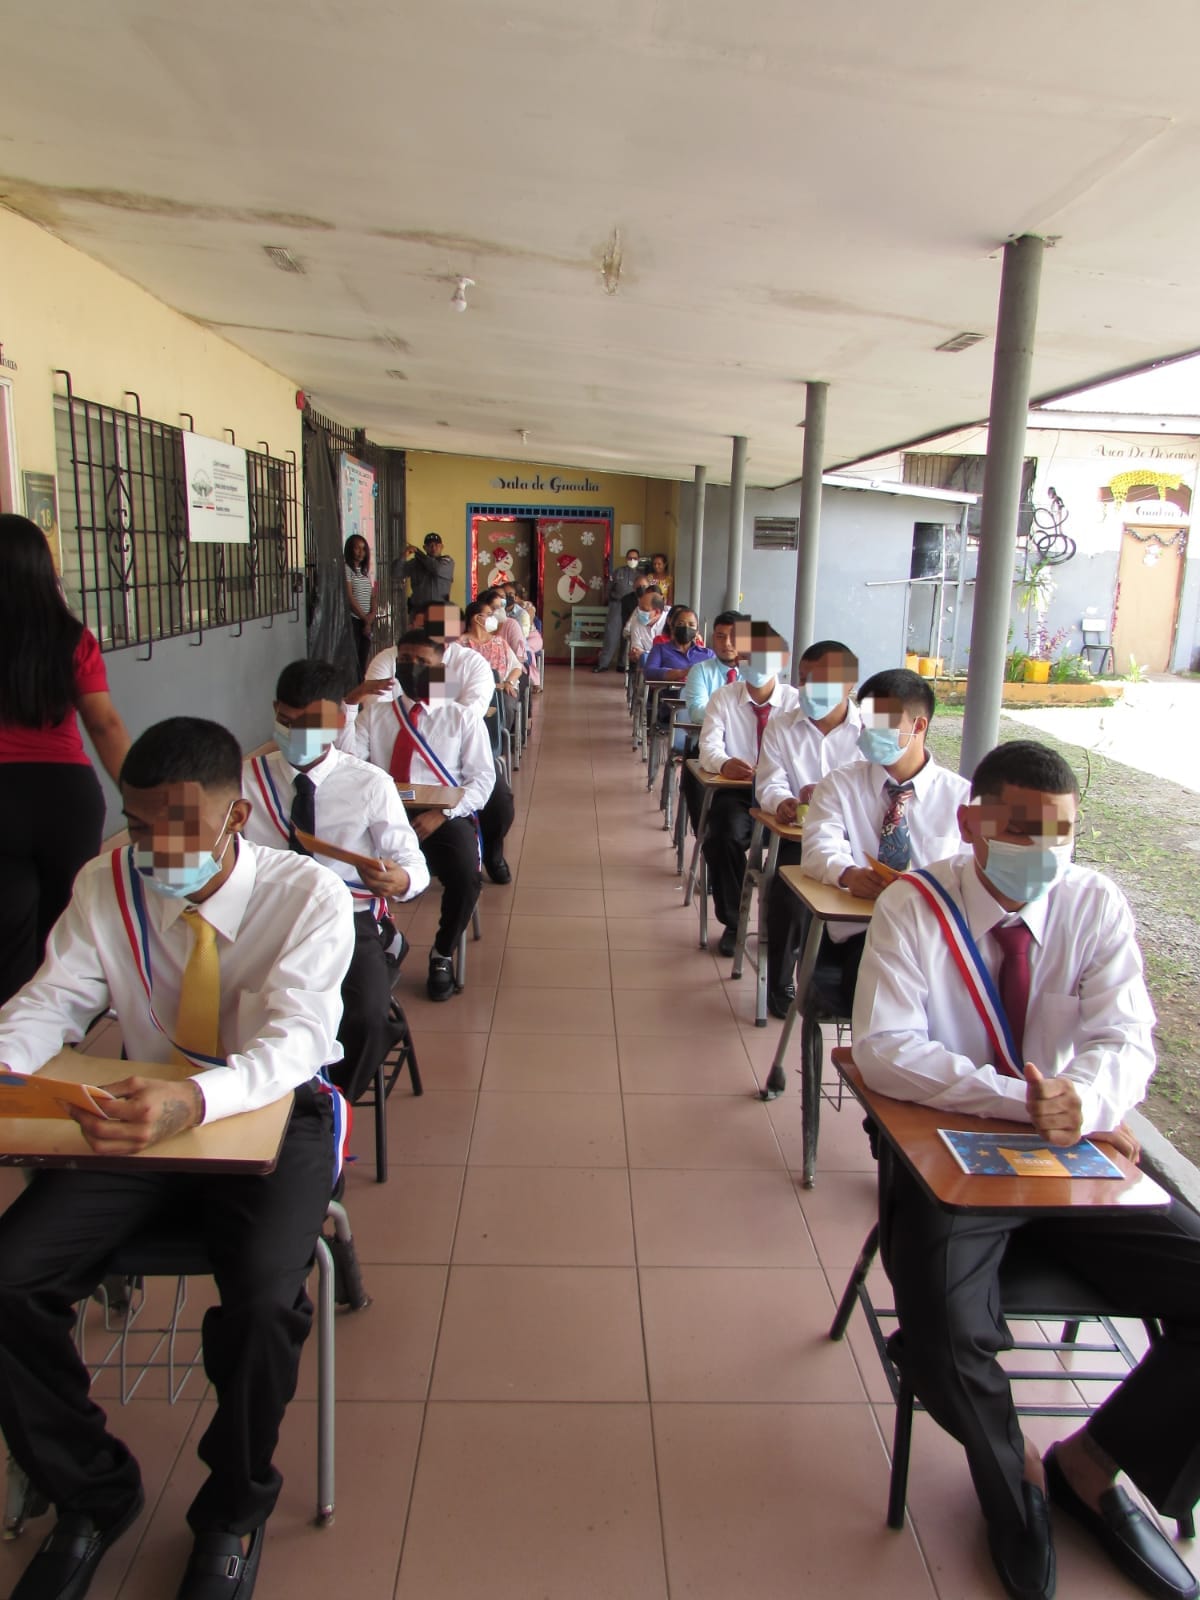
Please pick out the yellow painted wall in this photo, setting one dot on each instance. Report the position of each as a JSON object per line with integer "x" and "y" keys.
{"x": 439, "y": 488}
{"x": 59, "y": 308}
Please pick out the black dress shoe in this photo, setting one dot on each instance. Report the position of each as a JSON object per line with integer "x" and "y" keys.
{"x": 440, "y": 983}
{"x": 779, "y": 1001}
{"x": 1142, "y": 1552}
{"x": 218, "y": 1569}
{"x": 500, "y": 871}
{"x": 1024, "y": 1558}
{"x": 728, "y": 942}
{"x": 66, "y": 1562}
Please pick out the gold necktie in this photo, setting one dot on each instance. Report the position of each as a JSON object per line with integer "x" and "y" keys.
{"x": 198, "y": 1024}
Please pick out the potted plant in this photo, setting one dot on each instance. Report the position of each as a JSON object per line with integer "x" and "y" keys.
{"x": 1041, "y": 657}
{"x": 1034, "y": 594}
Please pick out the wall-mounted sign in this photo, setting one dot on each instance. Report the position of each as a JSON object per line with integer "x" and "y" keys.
{"x": 551, "y": 485}
{"x": 7, "y": 361}
{"x": 41, "y": 501}
{"x": 218, "y": 498}
{"x": 356, "y": 500}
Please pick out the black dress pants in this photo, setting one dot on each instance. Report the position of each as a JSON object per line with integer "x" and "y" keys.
{"x": 495, "y": 819}
{"x": 260, "y": 1234}
{"x": 727, "y": 838}
{"x": 53, "y": 815}
{"x": 783, "y": 922}
{"x": 364, "y": 1033}
{"x": 453, "y": 856}
{"x": 944, "y": 1266}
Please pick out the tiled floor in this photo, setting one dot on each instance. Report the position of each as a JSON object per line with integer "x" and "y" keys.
{"x": 596, "y": 1364}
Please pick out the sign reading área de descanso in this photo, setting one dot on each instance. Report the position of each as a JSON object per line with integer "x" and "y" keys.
{"x": 218, "y": 499}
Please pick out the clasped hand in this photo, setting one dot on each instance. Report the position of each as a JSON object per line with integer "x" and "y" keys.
{"x": 144, "y": 1111}
{"x": 1056, "y": 1111}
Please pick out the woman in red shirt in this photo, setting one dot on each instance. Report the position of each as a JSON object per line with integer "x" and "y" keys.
{"x": 50, "y": 798}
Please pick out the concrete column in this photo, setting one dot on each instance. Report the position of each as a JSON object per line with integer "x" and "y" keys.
{"x": 1008, "y": 418}
{"x": 804, "y": 617}
{"x": 737, "y": 515}
{"x": 695, "y": 598}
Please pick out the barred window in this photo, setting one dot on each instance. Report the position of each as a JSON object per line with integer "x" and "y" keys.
{"x": 129, "y": 570}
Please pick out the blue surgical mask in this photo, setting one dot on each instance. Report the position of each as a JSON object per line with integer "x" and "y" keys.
{"x": 819, "y": 698}
{"x": 645, "y": 616}
{"x": 882, "y": 745}
{"x": 180, "y": 882}
{"x": 757, "y": 678}
{"x": 300, "y": 747}
{"x": 1025, "y": 872}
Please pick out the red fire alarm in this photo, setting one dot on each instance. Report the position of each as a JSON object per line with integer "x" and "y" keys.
{"x": 301, "y": 399}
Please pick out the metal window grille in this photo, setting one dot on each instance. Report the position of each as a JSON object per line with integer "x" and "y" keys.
{"x": 129, "y": 569}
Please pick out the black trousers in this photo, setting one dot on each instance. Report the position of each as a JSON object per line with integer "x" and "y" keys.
{"x": 726, "y": 840}
{"x": 943, "y": 1267}
{"x": 260, "y": 1233}
{"x": 362, "y": 644}
{"x": 495, "y": 819}
{"x": 365, "y": 1033}
{"x": 453, "y": 857}
{"x": 53, "y": 815}
{"x": 693, "y": 796}
{"x": 783, "y": 922}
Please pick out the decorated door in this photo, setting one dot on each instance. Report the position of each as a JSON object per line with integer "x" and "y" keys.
{"x": 502, "y": 551}
{"x": 573, "y": 556}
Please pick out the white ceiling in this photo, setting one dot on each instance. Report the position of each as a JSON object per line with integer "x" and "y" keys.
{"x": 802, "y": 190}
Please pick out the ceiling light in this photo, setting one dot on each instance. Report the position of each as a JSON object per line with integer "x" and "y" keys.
{"x": 394, "y": 372}
{"x": 960, "y": 341}
{"x": 524, "y": 434}
{"x": 280, "y": 256}
{"x": 459, "y": 298}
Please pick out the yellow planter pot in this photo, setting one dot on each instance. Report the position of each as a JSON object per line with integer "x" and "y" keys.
{"x": 929, "y": 666}
{"x": 912, "y": 661}
{"x": 1037, "y": 672}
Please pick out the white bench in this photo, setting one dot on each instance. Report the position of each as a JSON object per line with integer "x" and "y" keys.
{"x": 587, "y": 629}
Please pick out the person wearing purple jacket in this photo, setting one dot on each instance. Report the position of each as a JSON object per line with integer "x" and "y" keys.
{"x": 674, "y": 656}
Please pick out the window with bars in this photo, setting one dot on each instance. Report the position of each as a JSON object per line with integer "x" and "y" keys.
{"x": 129, "y": 569}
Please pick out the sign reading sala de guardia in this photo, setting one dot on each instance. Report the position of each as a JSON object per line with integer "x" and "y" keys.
{"x": 553, "y": 485}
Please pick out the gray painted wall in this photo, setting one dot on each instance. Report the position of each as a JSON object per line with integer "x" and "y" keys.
{"x": 865, "y": 538}
{"x": 229, "y": 680}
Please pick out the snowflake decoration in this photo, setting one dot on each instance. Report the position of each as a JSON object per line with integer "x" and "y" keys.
{"x": 595, "y": 583}
{"x": 521, "y": 549}
{"x": 554, "y": 546}
{"x": 587, "y": 537}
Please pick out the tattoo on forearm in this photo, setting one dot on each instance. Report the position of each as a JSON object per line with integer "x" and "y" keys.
{"x": 175, "y": 1115}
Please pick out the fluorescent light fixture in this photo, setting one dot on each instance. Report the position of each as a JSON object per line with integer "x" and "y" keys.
{"x": 280, "y": 256}
{"x": 459, "y": 298}
{"x": 960, "y": 341}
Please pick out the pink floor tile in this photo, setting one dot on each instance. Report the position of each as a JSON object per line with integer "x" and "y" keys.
{"x": 744, "y": 1334}
{"x": 699, "y": 1131}
{"x": 545, "y": 1216}
{"x": 519, "y": 1501}
{"x": 540, "y": 902}
{"x": 534, "y": 1010}
{"x": 654, "y": 1011}
{"x": 775, "y": 1501}
{"x": 541, "y": 1333}
{"x": 434, "y": 1130}
{"x": 557, "y": 933}
{"x": 549, "y": 1130}
{"x": 407, "y": 1221}
{"x": 583, "y": 1063}
{"x": 385, "y": 1351}
{"x": 558, "y": 969}
{"x": 448, "y": 1060}
{"x": 684, "y": 1065}
{"x": 718, "y": 1219}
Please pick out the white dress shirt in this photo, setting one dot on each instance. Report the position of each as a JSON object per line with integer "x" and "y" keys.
{"x": 641, "y": 635}
{"x": 285, "y": 934}
{"x": 469, "y": 678}
{"x": 845, "y": 815}
{"x": 730, "y": 728}
{"x": 796, "y": 753}
{"x": 917, "y": 1035}
{"x": 357, "y": 807}
{"x": 456, "y": 736}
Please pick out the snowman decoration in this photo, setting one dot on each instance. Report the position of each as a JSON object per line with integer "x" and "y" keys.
{"x": 501, "y": 572}
{"x": 571, "y": 586}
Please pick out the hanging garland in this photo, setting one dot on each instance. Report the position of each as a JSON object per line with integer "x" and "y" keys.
{"x": 1179, "y": 537}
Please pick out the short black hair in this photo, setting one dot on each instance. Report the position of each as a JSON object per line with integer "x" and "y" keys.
{"x": 898, "y": 683}
{"x": 421, "y": 636}
{"x": 826, "y": 647}
{"x": 184, "y": 750}
{"x": 476, "y": 609}
{"x": 302, "y": 682}
{"x": 726, "y": 619}
{"x": 1028, "y": 765}
{"x": 488, "y": 596}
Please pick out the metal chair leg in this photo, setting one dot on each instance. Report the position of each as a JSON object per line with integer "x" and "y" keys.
{"x": 857, "y": 1278}
{"x": 751, "y": 879}
{"x": 326, "y": 1382}
{"x": 811, "y": 1059}
{"x": 901, "y": 1450}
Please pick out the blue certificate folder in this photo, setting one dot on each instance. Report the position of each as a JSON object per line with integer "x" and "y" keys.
{"x": 1025, "y": 1155}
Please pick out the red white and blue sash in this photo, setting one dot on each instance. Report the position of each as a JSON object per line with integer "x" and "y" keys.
{"x": 280, "y": 816}
{"x": 422, "y": 747}
{"x": 972, "y": 969}
{"x": 131, "y": 902}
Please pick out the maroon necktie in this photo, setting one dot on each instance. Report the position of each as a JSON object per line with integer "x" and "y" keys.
{"x": 761, "y": 716}
{"x": 1014, "y": 941}
{"x": 731, "y": 675}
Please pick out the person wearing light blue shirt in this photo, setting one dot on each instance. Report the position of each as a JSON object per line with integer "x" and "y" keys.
{"x": 722, "y": 666}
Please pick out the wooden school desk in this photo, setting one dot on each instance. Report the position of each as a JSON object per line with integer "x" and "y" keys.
{"x": 827, "y": 904}
{"x": 912, "y": 1132}
{"x": 759, "y": 874}
{"x": 248, "y": 1142}
{"x": 430, "y": 796}
{"x": 710, "y": 782}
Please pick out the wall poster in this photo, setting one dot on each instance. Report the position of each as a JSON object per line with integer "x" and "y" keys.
{"x": 218, "y": 497}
